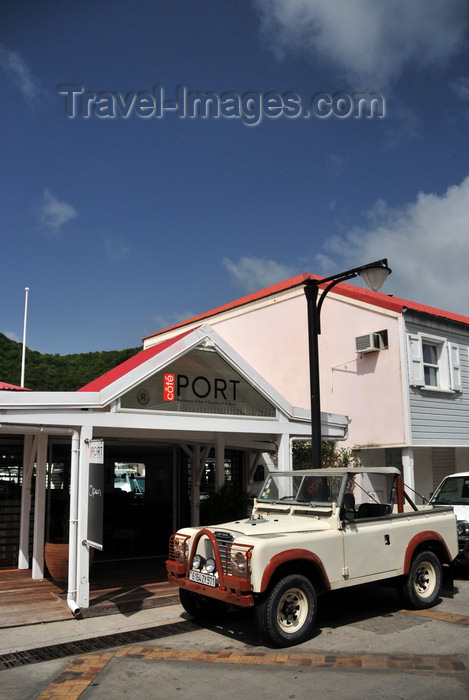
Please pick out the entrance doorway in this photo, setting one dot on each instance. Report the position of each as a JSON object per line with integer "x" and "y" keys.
{"x": 138, "y": 498}
{"x": 233, "y": 469}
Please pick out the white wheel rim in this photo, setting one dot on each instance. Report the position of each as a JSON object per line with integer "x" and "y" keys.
{"x": 425, "y": 579}
{"x": 292, "y": 610}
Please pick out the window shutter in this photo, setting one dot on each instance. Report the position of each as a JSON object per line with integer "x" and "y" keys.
{"x": 454, "y": 367}
{"x": 416, "y": 375}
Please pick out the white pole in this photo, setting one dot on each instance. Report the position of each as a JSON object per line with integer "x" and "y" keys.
{"x": 23, "y": 359}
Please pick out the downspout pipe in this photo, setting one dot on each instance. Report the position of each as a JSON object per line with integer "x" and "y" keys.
{"x": 73, "y": 528}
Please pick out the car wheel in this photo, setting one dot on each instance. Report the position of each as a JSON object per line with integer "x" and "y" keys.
{"x": 287, "y": 613}
{"x": 421, "y": 588}
{"x": 201, "y": 607}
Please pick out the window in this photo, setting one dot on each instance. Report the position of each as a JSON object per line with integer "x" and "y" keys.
{"x": 430, "y": 363}
{"x": 434, "y": 363}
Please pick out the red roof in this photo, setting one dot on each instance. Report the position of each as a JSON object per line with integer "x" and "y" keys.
{"x": 4, "y": 386}
{"x": 384, "y": 301}
{"x": 130, "y": 364}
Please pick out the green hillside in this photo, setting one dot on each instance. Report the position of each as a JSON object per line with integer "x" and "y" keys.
{"x": 44, "y": 372}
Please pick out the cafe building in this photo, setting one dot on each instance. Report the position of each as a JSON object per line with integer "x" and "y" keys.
{"x": 114, "y": 468}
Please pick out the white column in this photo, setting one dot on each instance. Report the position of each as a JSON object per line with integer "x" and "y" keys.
{"x": 39, "y": 507}
{"x": 73, "y": 549}
{"x": 283, "y": 453}
{"x": 28, "y": 463}
{"x": 82, "y": 551}
{"x": 408, "y": 467}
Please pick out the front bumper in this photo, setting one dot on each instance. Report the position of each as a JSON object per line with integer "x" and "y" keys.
{"x": 233, "y": 582}
{"x": 235, "y": 591}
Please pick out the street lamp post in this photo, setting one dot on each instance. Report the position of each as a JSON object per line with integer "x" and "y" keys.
{"x": 374, "y": 274}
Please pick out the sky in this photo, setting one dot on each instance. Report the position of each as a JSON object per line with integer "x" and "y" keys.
{"x": 160, "y": 159}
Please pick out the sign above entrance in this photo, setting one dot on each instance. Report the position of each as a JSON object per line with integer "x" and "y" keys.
{"x": 96, "y": 454}
{"x": 199, "y": 382}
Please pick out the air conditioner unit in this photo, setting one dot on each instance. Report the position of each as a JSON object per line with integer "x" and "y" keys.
{"x": 371, "y": 342}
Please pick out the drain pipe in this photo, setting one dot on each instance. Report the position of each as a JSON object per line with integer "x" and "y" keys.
{"x": 73, "y": 529}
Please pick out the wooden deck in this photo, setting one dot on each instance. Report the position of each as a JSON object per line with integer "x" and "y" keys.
{"x": 119, "y": 586}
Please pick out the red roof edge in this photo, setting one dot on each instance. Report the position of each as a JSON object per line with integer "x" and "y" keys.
{"x": 379, "y": 299}
{"x": 135, "y": 361}
{"x": 261, "y": 294}
{"x": 4, "y": 386}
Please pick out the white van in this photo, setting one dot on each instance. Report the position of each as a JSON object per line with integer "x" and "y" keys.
{"x": 454, "y": 491}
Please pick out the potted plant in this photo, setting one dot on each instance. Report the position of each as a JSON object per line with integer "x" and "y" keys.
{"x": 56, "y": 548}
{"x": 226, "y": 504}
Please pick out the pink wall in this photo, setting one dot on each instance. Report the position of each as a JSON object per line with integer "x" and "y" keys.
{"x": 367, "y": 388}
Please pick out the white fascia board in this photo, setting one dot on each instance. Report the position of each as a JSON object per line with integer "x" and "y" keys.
{"x": 138, "y": 375}
{"x": 227, "y": 314}
{"x": 214, "y": 424}
{"x": 48, "y": 399}
{"x": 181, "y": 347}
{"x": 362, "y": 304}
{"x": 193, "y": 423}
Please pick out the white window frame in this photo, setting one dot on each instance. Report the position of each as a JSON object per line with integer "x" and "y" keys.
{"x": 448, "y": 366}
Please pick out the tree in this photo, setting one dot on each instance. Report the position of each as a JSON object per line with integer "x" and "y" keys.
{"x": 332, "y": 456}
{"x": 46, "y": 372}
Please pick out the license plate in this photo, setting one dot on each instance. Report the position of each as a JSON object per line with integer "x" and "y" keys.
{"x": 199, "y": 577}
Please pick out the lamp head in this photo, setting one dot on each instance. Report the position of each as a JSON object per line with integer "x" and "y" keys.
{"x": 375, "y": 274}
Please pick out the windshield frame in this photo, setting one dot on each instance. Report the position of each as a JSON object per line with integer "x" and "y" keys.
{"x": 304, "y": 488}
{"x": 440, "y": 497}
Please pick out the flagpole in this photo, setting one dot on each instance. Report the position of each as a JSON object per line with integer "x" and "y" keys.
{"x": 23, "y": 359}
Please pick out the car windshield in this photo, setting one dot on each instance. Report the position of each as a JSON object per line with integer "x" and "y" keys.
{"x": 453, "y": 491}
{"x": 294, "y": 487}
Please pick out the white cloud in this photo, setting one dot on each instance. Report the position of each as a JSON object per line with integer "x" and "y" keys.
{"x": 426, "y": 243}
{"x": 461, "y": 88}
{"x": 370, "y": 42}
{"x": 166, "y": 321}
{"x": 19, "y": 73}
{"x": 252, "y": 274}
{"x": 12, "y": 336}
{"x": 55, "y": 214}
{"x": 115, "y": 248}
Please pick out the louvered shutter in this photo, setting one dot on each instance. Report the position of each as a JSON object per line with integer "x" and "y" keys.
{"x": 416, "y": 374}
{"x": 454, "y": 367}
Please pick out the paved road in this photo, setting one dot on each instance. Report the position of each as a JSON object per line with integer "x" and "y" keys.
{"x": 365, "y": 645}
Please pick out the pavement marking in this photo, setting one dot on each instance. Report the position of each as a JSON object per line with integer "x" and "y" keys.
{"x": 440, "y": 616}
{"x": 77, "y": 677}
{"x": 84, "y": 670}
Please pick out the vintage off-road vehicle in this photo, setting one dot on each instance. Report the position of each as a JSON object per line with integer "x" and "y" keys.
{"x": 310, "y": 532}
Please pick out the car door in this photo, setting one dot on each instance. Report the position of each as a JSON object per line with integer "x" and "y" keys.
{"x": 368, "y": 547}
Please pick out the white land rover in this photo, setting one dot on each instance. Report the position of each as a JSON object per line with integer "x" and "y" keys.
{"x": 310, "y": 532}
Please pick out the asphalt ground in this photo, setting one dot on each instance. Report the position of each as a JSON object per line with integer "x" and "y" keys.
{"x": 364, "y": 644}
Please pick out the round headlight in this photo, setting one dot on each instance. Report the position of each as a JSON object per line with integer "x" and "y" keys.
{"x": 210, "y": 565}
{"x": 239, "y": 562}
{"x": 463, "y": 527}
{"x": 197, "y": 562}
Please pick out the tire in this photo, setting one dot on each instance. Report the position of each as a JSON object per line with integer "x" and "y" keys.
{"x": 287, "y": 613}
{"x": 421, "y": 588}
{"x": 201, "y": 607}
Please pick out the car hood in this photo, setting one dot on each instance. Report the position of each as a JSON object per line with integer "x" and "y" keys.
{"x": 272, "y": 526}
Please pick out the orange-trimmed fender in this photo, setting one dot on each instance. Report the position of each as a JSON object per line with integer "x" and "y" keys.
{"x": 292, "y": 555}
{"x": 419, "y": 539}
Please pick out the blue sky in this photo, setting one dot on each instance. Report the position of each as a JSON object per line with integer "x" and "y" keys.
{"x": 121, "y": 226}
